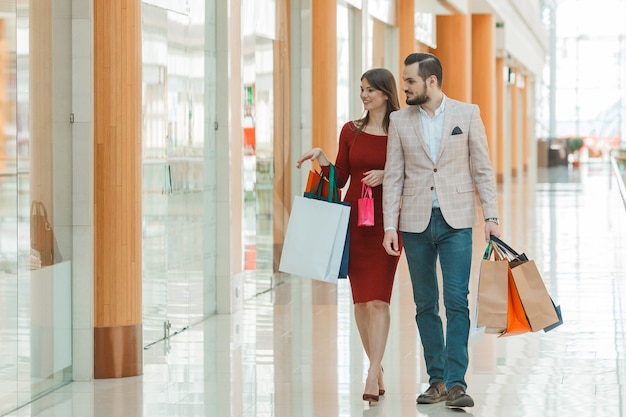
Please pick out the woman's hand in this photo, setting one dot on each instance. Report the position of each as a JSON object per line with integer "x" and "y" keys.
{"x": 314, "y": 154}
{"x": 374, "y": 177}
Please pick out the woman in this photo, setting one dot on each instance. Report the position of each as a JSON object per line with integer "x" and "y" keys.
{"x": 361, "y": 157}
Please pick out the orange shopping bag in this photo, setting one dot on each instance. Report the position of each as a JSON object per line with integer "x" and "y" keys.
{"x": 517, "y": 323}
{"x": 539, "y": 307}
{"x": 313, "y": 183}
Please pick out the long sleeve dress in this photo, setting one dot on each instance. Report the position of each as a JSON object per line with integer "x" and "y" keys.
{"x": 370, "y": 269}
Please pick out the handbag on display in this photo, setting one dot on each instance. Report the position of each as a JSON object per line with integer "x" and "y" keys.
{"x": 366, "y": 207}
{"x": 42, "y": 240}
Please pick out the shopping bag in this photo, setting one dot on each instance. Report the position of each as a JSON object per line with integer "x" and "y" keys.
{"x": 509, "y": 253}
{"x": 516, "y": 323}
{"x": 315, "y": 239}
{"x": 366, "y": 207}
{"x": 332, "y": 194}
{"x": 316, "y": 179}
{"x": 343, "y": 268}
{"x": 538, "y": 305}
{"x": 557, "y": 308}
{"x": 492, "y": 299}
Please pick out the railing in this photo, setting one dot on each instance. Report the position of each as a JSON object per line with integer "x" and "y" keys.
{"x": 618, "y": 162}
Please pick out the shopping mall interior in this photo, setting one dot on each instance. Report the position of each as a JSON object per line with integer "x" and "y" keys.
{"x": 148, "y": 156}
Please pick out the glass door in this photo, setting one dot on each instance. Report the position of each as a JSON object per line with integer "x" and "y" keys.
{"x": 178, "y": 286}
{"x": 8, "y": 213}
{"x": 258, "y": 133}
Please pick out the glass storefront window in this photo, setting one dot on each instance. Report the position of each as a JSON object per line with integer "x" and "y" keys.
{"x": 360, "y": 47}
{"x": 35, "y": 200}
{"x": 179, "y": 198}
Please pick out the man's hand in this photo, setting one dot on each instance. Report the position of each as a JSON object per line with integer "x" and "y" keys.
{"x": 490, "y": 229}
{"x": 390, "y": 243}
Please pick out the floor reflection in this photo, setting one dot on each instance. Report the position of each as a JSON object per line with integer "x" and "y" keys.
{"x": 294, "y": 351}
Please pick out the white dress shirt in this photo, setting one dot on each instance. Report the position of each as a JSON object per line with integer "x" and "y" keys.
{"x": 432, "y": 127}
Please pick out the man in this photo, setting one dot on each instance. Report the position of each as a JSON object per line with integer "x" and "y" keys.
{"x": 436, "y": 157}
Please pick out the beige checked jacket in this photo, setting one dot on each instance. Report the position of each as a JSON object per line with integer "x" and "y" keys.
{"x": 462, "y": 167}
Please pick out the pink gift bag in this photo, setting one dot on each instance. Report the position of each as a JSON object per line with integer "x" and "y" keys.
{"x": 366, "y": 207}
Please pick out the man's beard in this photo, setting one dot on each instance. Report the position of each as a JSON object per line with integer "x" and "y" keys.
{"x": 418, "y": 100}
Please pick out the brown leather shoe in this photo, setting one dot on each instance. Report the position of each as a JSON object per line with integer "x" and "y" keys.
{"x": 434, "y": 394}
{"x": 457, "y": 397}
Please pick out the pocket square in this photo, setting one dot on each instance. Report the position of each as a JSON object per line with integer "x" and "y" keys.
{"x": 457, "y": 131}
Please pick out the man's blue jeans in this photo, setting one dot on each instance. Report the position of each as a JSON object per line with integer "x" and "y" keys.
{"x": 447, "y": 360}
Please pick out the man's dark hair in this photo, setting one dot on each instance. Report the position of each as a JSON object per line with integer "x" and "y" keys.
{"x": 429, "y": 65}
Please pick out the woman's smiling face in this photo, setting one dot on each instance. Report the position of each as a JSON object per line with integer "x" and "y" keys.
{"x": 373, "y": 99}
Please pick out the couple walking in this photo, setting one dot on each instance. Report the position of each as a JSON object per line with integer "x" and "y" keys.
{"x": 424, "y": 163}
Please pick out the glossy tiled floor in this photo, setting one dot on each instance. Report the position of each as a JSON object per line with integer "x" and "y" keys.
{"x": 295, "y": 352}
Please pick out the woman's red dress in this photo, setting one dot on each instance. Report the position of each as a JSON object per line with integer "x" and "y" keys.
{"x": 370, "y": 269}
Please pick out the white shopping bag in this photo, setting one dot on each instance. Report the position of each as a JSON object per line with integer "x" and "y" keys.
{"x": 315, "y": 238}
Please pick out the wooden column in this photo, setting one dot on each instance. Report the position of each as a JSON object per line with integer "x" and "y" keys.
{"x": 514, "y": 123}
{"x": 282, "y": 127}
{"x": 41, "y": 127}
{"x": 324, "y": 76}
{"x": 454, "y": 51}
{"x": 3, "y": 95}
{"x": 117, "y": 211}
{"x": 526, "y": 122}
{"x": 405, "y": 20}
{"x": 324, "y": 135}
{"x": 484, "y": 75}
{"x": 500, "y": 118}
{"x": 378, "y": 47}
{"x": 40, "y": 105}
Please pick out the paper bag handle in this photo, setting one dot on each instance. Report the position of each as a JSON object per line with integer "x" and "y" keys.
{"x": 366, "y": 191}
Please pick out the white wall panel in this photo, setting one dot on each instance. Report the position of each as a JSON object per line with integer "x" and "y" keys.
{"x": 523, "y": 37}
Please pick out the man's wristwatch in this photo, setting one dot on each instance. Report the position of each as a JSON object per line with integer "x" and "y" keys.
{"x": 493, "y": 220}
